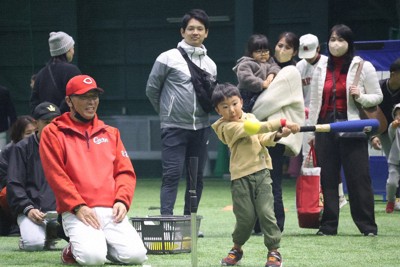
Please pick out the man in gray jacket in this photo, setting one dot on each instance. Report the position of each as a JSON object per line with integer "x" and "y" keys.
{"x": 185, "y": 126}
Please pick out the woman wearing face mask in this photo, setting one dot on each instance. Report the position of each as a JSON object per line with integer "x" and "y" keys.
{"x": 333, "y": 98}
{"x": 283, "y": 97}
{"x": 286, "y": 49}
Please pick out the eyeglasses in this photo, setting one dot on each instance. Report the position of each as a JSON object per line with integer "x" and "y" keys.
{"x": 261, "y": 51}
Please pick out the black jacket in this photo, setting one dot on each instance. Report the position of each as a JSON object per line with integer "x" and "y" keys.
{"x": 390, "y": 99}
{"x": 51, "y": 82}
{"x": 4, "y": 158}
{"x": 8, "y": 115}
{"x": 27, "y": 186}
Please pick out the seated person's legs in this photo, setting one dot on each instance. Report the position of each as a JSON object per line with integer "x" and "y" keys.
{"x": 124, "y": 243}
{"x": 88, "y": 244}
{"x": 32, "y": 235}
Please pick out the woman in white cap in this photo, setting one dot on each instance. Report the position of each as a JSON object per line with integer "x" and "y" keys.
{"x": 51, "y": 80}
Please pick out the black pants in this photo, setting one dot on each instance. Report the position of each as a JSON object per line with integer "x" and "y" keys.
{"x": 334, "y": 152}
{"x": 178, "y": 145}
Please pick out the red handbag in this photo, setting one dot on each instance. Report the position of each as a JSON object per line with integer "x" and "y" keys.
{"x": 309, "y": 199}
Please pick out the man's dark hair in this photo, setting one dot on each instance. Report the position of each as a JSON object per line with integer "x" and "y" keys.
{"x": 395, "y": 66}
{"x": 197, "y": 14}
{"x": 223, "y": 91}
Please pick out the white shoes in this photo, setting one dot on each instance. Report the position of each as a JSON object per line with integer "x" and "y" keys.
{"x": 343, "y": 201}
{"x": 397, "y": 204}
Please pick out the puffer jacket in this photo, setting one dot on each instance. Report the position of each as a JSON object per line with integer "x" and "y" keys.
{"x": 170, "y": 90}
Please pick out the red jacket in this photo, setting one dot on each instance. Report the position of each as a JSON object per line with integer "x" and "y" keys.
{"x": 91, "y": 168}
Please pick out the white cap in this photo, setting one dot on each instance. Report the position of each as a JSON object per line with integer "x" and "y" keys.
{"x": 308, "y": 46}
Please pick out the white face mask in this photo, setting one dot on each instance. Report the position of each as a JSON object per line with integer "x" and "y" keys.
{"x": 284, "y": 56}
{"x": 338, "y": 48}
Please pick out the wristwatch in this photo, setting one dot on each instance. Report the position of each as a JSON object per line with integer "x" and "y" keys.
{"x": 77, "y": 208}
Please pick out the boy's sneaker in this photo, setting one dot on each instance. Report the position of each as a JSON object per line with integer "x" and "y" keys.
{"x": 274, "y": 259}
{"x": 233, "y": 258}
{"x": 66, "y": 255}
{"x": 389, "y": 207}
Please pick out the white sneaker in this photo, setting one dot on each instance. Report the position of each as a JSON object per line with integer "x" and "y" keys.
{"x": 397, "y": 204}
{"x": 342, "y": 201}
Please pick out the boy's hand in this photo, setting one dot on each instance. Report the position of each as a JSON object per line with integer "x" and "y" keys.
{"x": 294, "y": 127}
{"x": 285, "y": 131}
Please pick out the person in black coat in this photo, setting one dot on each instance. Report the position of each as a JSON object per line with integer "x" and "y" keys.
{"x": 8, "y": 115}
{"x": 28, "y": 193}
{"x": 51, "y": 80}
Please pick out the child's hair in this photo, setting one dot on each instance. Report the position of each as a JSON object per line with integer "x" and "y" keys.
{"x": 223, "y": 91}
{"x": 197, "y": 14}
{"x": 18, "y": 128}
{"x": 256, "y": 42}
{"x": 291, "y": 39}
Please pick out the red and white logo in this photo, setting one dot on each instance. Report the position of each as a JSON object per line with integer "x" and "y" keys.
{"x": 99, "y": 140}
{"x": 88, "y": 80}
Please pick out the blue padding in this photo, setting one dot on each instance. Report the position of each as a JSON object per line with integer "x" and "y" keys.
{"x": 354, "y": 126}
{"x": 380, "y": 53}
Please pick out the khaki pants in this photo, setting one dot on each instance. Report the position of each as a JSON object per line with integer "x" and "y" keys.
{"x": 252, "y": 197}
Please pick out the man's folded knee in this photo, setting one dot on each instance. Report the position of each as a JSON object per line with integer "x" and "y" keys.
{"x": 91, "y": 258}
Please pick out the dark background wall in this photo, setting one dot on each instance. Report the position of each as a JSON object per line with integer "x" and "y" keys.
{"x": 118, "y": 41}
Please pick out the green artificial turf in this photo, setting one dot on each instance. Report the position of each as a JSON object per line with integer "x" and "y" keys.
{"x": 299, "y": 247}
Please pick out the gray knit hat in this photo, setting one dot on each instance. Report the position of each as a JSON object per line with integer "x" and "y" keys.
{"x": 60, "y": 43}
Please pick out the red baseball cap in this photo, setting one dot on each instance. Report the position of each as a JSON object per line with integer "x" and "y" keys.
{"x": 81, "y": 84}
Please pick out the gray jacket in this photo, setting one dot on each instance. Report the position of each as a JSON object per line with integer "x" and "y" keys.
{"x": 171, "y": 91}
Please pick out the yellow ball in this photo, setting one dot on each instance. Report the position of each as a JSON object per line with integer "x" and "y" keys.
{"x": 163, "y": 246}
{"x": 187, "y": 242}
{"x": 252, "y": 126}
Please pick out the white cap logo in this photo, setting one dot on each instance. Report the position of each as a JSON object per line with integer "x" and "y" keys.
{"x": 87, "y": 81}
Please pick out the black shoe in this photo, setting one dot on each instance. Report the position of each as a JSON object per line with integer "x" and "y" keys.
{"x": 50, "y": 245}
{"x": 200, "y": 234}
{"x": 321, "y": 233}
{"x": 14, "y": 230}
{"x": 371, "y": 234}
